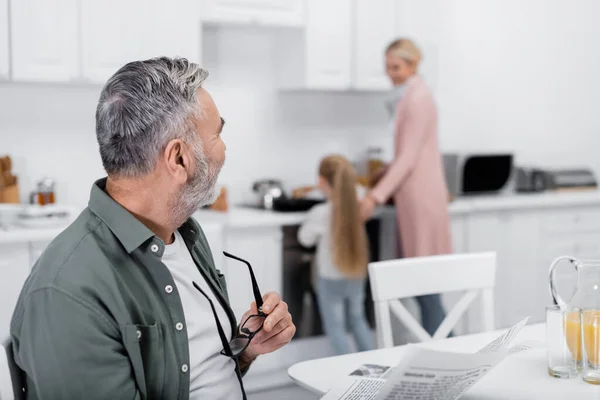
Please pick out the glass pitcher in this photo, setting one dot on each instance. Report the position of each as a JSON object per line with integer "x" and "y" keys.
{"x": 583, "y": 325}
{"x": 587, "y": 291}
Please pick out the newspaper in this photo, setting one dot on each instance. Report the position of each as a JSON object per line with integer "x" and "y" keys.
{"x": 426, "y": 374}
{"x": 504, "y": 340}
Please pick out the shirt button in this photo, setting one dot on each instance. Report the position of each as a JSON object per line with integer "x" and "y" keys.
{"x": 139, "y": 334}
{"x": 179, "y": 326}
{"x": 169, "y": 289}
{"x": 184, "y": 368}
{"x": 154, "y": 248}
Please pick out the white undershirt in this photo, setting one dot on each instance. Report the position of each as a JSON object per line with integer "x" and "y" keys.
{"x": 212, "y": 375}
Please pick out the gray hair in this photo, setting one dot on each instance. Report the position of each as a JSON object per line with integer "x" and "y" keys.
{"x": 142, "y": 107}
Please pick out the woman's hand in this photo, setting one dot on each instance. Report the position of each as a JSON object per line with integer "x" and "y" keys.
{"x": 302, "y": 191}
{"x": 367, "y": 206}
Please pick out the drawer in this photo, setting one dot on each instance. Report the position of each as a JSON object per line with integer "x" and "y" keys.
{"x": 571, "y": 221}
{"x": 585, "y": 247}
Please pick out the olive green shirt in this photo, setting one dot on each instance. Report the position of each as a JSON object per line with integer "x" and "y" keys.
{"x": 96, "y": 317}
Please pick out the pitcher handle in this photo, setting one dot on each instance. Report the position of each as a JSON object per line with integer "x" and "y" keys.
{"x": 577, "y": 264}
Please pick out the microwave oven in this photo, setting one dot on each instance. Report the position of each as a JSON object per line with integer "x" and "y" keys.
{"x": 476, "y": 173}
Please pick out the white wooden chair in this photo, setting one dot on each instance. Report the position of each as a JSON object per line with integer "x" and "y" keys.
{"x": 11, "y": 376}
{"x": 399, "y": 279}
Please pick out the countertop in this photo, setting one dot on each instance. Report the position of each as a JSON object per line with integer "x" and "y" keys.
{"x": 523, "y": 201}
{"x": 243, "y": 217}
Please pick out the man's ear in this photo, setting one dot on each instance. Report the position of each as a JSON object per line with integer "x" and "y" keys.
{"x": 177, "y": 159}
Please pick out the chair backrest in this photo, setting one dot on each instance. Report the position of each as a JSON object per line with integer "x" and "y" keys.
{"x": 398, "y": 279}
{"x": 11, "y": 376}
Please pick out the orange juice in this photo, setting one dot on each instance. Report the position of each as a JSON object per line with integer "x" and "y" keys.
{"x": 591, "y": 335}
{"x": 573, "y": 334}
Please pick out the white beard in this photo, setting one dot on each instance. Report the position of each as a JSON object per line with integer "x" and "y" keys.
{"x": 201, "y": 189}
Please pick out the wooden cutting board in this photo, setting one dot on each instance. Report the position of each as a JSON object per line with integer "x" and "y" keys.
{"x": 9, "y": 188}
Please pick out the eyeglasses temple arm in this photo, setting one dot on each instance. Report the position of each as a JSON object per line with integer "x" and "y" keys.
{"x": 255, "y": 288}
{"x": 224, "y": 341}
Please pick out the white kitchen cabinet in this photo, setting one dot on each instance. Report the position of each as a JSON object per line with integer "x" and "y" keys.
{"x": 141, "y": 29}
{"x": 374, "y": 29}
{"x": 215, "y": 236}
{"x": 4, "y": 52}
{"x": 318, "y": 57}
{"x": 263, "y": 12}
{"x": 44, "y": 40}
{"x": 14, "y": 268}
{"x": 458, "y": 227}
{"x": 514, "y": 236}
{"x": 262, "y": 248}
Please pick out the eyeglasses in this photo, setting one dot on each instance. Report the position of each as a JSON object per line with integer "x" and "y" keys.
{"x": 249, "y": 328}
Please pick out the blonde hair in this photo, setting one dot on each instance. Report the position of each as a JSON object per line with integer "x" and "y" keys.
{"x": 405, "y": 49}
{"x": 349, "y": 238}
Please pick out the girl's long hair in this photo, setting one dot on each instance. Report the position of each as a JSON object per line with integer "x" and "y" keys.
{"x": 349, "y": 238}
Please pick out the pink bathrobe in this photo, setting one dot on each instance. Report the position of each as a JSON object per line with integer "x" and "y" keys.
{"x": 415, "y": 178}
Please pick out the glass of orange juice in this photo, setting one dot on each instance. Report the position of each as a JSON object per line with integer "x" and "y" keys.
{"x": 563, "y": 337}
{"x": 590, "y": 323}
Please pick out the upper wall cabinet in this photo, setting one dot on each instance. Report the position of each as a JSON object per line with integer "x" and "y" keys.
{"x": 263, "y": 12}
{"x": 141, "y": 29}
{"x": 44, "y": 40}
{"x": 374, "y": 29}
{"x": 318, "y": 57}
{"x": 4, "y": 40}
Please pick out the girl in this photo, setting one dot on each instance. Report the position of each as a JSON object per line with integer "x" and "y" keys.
{"x": 338, "y": 231}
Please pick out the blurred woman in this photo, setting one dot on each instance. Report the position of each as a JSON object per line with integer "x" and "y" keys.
{"x": 415, "y": 178}
{"x": 342, "y": 255}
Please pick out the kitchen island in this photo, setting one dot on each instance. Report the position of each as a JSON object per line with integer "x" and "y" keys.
{"x": 526, "y": 231}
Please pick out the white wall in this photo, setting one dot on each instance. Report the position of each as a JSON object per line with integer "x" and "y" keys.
{"x": 508, "y": 75}
{"x": 522, "y": 74}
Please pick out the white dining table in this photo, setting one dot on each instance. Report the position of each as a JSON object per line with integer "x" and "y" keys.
{"x": 520, "y": 376}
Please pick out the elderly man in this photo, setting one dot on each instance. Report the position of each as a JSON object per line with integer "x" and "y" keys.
{"x": 126, "y": 303}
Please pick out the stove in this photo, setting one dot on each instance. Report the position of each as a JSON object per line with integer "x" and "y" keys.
{"x": 288, "y": 205}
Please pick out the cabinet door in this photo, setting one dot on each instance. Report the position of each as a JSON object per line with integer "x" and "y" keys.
{"x": 14, "y": 267}
{"x": 141, "y": 29}
{"x": 214, "y": 236}
{"x": 267, "y": 12}
{"x": 374, "y": 29}
{"x": 4, "y": 39}
{"x": 262, "y": 248}
{"x": 328, "y": 44}
{"x": 44, "y": 40}
{"x": 458, "y": 226}
{"x": 520, "y": 290}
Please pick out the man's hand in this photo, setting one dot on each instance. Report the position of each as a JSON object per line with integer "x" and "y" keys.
{"x": 278, "y": 328}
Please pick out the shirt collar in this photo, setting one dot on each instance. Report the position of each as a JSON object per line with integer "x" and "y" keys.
{"x": 127, "y": 228}
{"x": 190, "y": 230}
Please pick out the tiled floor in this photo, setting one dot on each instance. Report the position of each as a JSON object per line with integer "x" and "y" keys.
{"x": 286, "y": 392}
